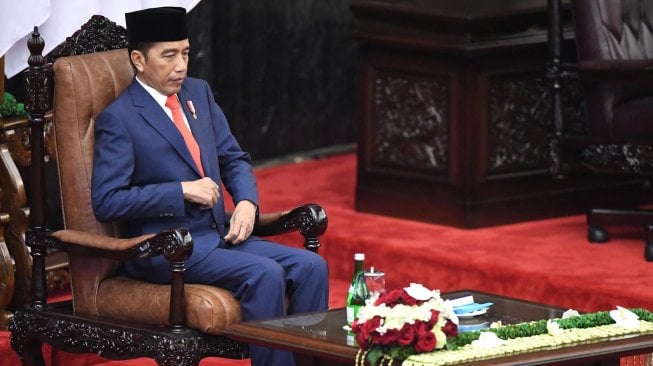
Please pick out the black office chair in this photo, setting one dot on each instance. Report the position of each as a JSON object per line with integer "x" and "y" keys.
{"x": 614, "y": 42}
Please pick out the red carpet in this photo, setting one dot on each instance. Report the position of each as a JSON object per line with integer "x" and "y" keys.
{"x": 547, "y": 260}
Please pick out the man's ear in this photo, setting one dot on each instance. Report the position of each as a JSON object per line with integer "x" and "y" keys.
{"x": 138, "y": 60}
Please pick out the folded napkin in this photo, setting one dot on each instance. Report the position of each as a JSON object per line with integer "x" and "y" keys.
{"x": 470, "y": 308}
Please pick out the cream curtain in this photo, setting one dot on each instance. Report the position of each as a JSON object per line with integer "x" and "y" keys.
{"x": 58, "y": 19}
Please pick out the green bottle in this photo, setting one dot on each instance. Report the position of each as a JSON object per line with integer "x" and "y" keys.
{"x": 358, "y": 291}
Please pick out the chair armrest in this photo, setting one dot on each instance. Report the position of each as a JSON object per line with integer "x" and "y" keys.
{"x": 309, "y": 219}
{"x": 599, "y": 70}
{"x": 175, "y": 244}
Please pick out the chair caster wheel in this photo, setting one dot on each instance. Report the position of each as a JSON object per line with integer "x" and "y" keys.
{"x": 648, "y": 252}
{"x": 597, "y": 234}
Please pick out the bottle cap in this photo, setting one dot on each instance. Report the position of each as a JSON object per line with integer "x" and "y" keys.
{"x": 359, "y": 256}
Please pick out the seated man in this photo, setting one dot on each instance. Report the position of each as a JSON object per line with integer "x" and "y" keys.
{"x": 163, "y": 153}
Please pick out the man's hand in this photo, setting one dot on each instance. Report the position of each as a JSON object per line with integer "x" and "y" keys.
{"x": 242, "y": 222}
{"x": 203, "y": 191}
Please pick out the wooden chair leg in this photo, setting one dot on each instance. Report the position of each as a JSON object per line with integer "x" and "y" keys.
{"x": 176, "y": 362}
{"x": 33, "y": 353}
{"x": 648, "y": 248}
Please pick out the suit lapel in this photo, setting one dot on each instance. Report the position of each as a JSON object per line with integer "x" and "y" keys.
{"x": 159, "y": 120}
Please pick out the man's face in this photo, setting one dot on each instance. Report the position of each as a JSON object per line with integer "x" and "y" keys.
{"x": 164, "y": 66}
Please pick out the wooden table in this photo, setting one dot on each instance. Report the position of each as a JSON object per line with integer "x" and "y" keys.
{"x": 319, "y": 338}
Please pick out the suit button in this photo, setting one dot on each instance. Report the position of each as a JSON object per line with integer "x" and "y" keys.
{"x": 214, "y": 225}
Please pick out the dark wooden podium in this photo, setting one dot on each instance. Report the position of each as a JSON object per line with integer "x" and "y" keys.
{"x": 456, "y": 115}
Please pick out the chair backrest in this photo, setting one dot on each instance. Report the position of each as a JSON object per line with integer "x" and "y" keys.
{"x": 614, "y": 30}
{"x": 84, "y": 86}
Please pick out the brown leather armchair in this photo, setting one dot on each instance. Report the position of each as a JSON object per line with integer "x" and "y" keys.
{"x": 116, "y": 316}
{"x": 614, "y": 42}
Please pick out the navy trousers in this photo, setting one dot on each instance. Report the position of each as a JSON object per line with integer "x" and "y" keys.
{"x": 260, "y": 274}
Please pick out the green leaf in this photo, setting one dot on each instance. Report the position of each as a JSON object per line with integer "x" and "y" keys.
{"x": 10, "y": 107}
{"x": 373, "y": 355}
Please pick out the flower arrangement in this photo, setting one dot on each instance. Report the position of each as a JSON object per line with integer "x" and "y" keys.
{"x": 408, "y": 324}
{"x": 404, "y": 322}
{"x": 572, "y": 329}
{"x": 571, "y": 319}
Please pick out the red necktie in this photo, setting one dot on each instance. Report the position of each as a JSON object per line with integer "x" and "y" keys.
{"x": 192, "y": 145}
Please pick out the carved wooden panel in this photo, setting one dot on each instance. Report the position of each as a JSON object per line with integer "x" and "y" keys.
{"x": 520, "y": 120}
{"x": 7, "y": 277}
{"x": 627, "y": 158}
{"x": 74, "y": 335}
{"x": 574, "y": 112}
{"x": 14, "y": 202}
{"x": 98, "y": 34}
{"x": 411, "y": 121}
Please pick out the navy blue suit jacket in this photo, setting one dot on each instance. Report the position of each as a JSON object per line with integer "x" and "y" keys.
{"x": 141, "y": 158}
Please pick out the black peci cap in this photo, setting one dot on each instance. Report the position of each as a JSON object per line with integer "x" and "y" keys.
{"x": 163, "y": 24}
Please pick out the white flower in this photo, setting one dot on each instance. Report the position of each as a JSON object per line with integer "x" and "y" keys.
{"x": 400, "y": 315}
{"x": 496, "y": 324}
{"x": 420, "y": 293}
{"x": 453, "y": 317}
{"x": 569, "y": 313}
{"x": 625, "y": 318}
{"x": 553, "y": 328}
{"x": 488, "y": 340}
{"x": 446, "y": 309}
{"x": 440, "y": 338}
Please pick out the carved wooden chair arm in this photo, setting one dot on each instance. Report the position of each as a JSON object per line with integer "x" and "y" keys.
{"x": 175, "y": 244}
{"x": 309, "y": 219}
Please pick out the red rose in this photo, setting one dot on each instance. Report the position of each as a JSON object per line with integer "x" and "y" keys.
{"x": 390, "y": 298}
{"x": 365, "y": 331}
{"x": 421, "y": 328}
{"x": 450, "y": 329}
{"x": 355, "y": 326}
{"x": 425, "y": 342}
{"x": 434, "y": 318}
{"x": 363, "y": 342}
{"x": 370, "y": 326}
{"x": 406, "y": 335}
{"x": 388, "y": 337}
{"x": 407, "y": 299}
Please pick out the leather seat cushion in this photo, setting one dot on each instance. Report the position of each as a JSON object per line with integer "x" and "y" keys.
{"x": 209, "y": 309}
{"x": 630, "y": 119}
